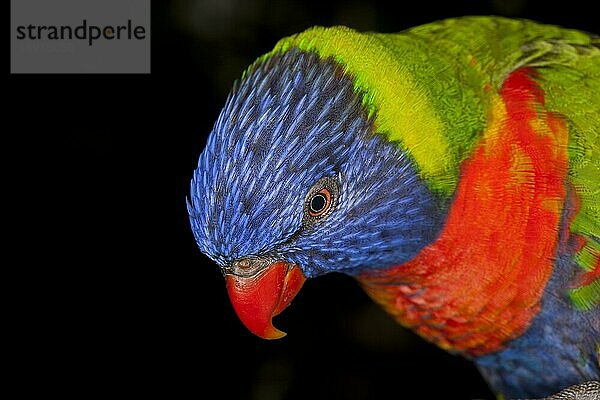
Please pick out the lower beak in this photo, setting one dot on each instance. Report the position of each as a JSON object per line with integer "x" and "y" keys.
{"x": 258, "y": 298}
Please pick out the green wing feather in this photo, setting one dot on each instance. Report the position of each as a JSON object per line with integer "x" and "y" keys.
{"x": 572, "y": 85}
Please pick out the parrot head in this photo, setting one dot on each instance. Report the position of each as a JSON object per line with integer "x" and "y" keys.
{"x": 295, "y": 182}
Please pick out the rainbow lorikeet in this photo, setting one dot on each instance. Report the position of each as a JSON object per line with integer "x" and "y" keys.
{"x": 453, "y": 169}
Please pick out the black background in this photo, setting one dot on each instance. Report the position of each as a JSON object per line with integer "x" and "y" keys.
{"x": 111, "y": 294}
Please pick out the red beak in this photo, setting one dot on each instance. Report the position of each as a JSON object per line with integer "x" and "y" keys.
{"x": 258, "y": 298}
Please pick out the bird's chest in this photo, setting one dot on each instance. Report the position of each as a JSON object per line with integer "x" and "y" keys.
{"x": 479, "y": 284}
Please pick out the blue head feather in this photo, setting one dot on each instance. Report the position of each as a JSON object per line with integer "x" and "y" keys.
{"x": 293, "y": 120}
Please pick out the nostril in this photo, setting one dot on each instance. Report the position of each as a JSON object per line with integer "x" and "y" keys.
{"x": 248, "y": 266}
{"x": 242, "y": 264}
{"x": 245, "y": 267}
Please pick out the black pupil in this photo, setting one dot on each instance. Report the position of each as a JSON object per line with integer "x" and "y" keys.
{"x": 317, "y": 203}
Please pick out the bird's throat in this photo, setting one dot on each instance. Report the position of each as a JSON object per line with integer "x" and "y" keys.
{"x": 480, "y": 283}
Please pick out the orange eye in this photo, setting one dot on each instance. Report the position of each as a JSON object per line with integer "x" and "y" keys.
{"x": 319, "y": 203}
{"x": 320, "y": 200}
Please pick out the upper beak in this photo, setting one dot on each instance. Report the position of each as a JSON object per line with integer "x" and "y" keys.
{"x": 260, "y": 290}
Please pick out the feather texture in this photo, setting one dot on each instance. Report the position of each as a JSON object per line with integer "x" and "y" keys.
{"x": 465, "y": 159}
